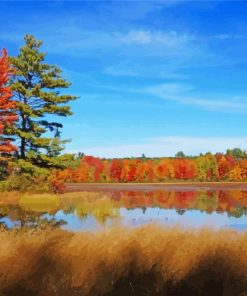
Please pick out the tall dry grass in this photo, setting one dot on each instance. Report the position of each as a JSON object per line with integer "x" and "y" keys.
{"x": 122, "y": 262}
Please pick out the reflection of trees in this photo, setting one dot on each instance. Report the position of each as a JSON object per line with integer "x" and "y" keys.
{"x": 206, "y": 201}
{"x": 31, "y": 219}
{"x": 3, "y": 212}
{"x": 238, "y": 212}
{"x": 144, "y": 210}
{"x": 69, "y": 210}
{"x": 181, "y": 211}
{"x": 101, "y": 213}
{"x": 106, "y": 205}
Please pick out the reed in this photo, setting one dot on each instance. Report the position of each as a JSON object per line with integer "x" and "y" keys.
{"x": 121, "y": 261}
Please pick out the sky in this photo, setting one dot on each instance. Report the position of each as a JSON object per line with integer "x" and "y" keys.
{"x": 153, "y": 77}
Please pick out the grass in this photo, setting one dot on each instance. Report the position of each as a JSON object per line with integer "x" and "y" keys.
{"x": 39, "y": 202}
{"x": 8, "y": 198}
{"x": 123, "y": 262}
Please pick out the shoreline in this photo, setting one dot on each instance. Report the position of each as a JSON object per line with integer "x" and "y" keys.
{"x": 74, "y": 187}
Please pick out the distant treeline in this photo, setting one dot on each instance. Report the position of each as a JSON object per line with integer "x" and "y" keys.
{"x": 231, "y": 166}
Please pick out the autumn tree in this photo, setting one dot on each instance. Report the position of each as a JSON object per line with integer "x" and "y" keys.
{"x": 7, "y": 105}
{"x": 207, "y": 167}
{"x": 37, "y": 88}
{"x": 225, "y": 164}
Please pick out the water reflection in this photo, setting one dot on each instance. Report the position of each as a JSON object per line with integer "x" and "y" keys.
{"x": 89, "y": 211}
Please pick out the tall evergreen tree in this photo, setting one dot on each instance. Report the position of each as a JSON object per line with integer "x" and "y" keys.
{"x": 37, "y": 88}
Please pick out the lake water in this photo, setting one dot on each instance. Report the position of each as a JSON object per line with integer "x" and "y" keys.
{"x": 90, "y": 211}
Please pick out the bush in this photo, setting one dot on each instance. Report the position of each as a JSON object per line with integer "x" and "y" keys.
{"x": 27, "y": 177}
{"x": 3, "y": 169}
{"x": 26, "y": 183}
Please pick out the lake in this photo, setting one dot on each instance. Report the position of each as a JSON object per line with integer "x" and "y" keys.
{"x": 93, "y": 210}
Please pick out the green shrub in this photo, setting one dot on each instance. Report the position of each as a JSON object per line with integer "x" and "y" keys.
{"x": 3, "y": 169}
{"x": 27, "y": 177}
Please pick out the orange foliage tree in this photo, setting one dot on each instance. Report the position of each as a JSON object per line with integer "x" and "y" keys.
{"x": 7, "y": 105}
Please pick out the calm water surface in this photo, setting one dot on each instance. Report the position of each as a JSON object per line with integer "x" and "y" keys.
{"x": 96, "y": 210}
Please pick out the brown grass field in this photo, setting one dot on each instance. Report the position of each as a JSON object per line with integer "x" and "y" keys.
{"x": 123, "y": 262}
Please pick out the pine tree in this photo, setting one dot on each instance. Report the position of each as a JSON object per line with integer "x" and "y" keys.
{"x": 37, "y": 88}
{"x": 7, "y": 105}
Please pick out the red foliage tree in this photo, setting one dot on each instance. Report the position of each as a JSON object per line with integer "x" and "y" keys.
{"x": 116, "y": 170}
{"x": 184, "y": 168}
{"x": 96, "y": 166}
{"x": 7, "y": 106}
{"x": 225, "y": 164}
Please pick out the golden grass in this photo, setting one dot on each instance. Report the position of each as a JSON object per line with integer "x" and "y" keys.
{"x": 39, "y": 203}
{"x": 8, "y": 198}
{"x": 123, "y": 262}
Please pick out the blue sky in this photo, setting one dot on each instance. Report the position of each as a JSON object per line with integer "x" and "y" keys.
{"x": 153, "y": 77}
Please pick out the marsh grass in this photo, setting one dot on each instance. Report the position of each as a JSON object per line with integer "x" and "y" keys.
{"x": 39, "y": 203}
{"x": 122, "y": 262}
{"x": 9, "y": 198}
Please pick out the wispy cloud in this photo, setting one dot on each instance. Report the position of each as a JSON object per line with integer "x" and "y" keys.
{"x": 168, "y": 146}
{"x": 70, "y": 37}
{"x": 167, "y": 53}
{"x": 183, "y": 94}
{"x": 133, "y": 43}
{"x": 186, "y": 94}
{"x": 121, "y": 69}
{"x": 170, "y": 89}
{"x": 227, "y": 36}
{"x": 144, "y": 69}
{"x": 168, "y": 39}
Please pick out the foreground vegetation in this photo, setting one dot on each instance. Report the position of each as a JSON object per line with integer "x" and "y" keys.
{"x": 143, "y": 261}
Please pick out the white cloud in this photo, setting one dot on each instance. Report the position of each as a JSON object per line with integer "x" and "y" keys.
{"x": 168, "y": 146}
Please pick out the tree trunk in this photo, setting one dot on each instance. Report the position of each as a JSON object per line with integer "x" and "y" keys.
{"x": 23, "y": 140}
{"x": 23, "y": 148}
